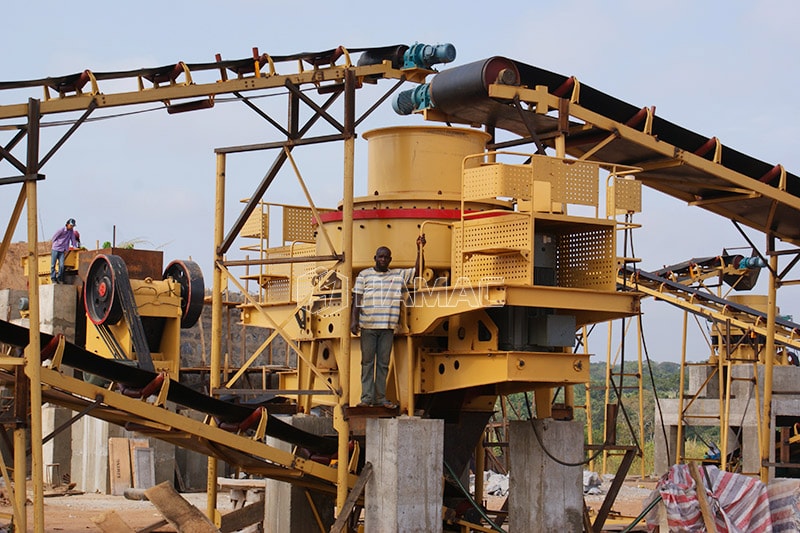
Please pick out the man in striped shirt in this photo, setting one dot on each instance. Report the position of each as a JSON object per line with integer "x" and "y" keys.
{"x": 377, "y": 297}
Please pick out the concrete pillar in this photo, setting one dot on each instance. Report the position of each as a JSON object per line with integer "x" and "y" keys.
{"x": 57, "y": 309}
{"x": 89, "y": 465}
{"x": 405, "y": 492}
{"x": 163, "y": 459}
{"x": 58, "y": 450}
{"x": 697, "y": 376}
{"x": 660, "y": 462}
{"x": 751, "y": 459}
{"x": 193, "y": 466}
{"x": 286, "y": 508}
{"x": 545, "y": 495}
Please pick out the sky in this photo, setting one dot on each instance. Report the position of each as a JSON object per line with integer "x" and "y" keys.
{"x": 719, "y": 68}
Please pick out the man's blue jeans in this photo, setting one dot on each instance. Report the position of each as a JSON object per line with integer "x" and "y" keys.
{"x": 376, "y": 352}
{"x": 57, "y": 257}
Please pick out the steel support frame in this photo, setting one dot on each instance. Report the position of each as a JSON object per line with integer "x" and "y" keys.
{"x": 739, "y": 185}
{"x": 33, "y": 110}
{"x": 224, "y": 241}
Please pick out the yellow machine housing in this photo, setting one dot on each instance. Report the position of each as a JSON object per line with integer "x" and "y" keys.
{"x": 510, "y": 272}
{"x": 71, "y": 263}
{"x": 140, "y": 320}
{"x": 159, "y": 306}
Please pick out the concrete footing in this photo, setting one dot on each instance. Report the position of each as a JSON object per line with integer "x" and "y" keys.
{"x": 405, "y": 491}
{"x": 286, "y": 508}
{"x": 544, "y": 494}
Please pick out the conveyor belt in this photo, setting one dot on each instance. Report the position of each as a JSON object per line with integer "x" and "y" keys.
{"x": 676, "y": 161}
{"x": 136, "y": 378}
{"x": 633, "y": 276}
{"x": 664, "y": 130}
{"x": 164, "y": 73}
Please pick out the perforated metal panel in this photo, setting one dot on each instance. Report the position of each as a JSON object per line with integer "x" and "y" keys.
{"x": 290, "y": 281}
{"x": 498, "y": 181}
{"x": 495, "y": 261}
{"x": 627, "y": 196}
{"x": 583, "y": 183}
{"x": 256, "y": 226}
{"x": 572, "y": 182}
{"x": 498, "y": 234}
{"x": 586, "y": 260}
{"x": 298, "y": 224}
{"x": 552, "y": 171}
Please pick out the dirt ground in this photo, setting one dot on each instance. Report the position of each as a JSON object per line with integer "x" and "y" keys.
{"x": 73, "y": 513}
{"x": 11, "y": 273}
{"x": 634, "y": 495}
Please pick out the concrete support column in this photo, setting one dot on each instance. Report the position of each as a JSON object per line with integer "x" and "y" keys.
{"x": 405, "y": 491}
{"x": 57, "y": 305}
{"x": 545, "y": 495}
{"x": 89, "y": 461}
{"x": 286, "y": 506}
{"x": 57, "y": 451}
{"x": 661, "y": 463}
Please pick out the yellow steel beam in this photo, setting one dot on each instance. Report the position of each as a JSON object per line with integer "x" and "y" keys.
{"x": 589, "y": 306}
{"x": 158, "y": 417}
{"x": 782, "y": 335}
{"x": 672, "y": 155}
{"x": 450, "y": 371}
{"x": 176, "y": 92}
{"x": 582, "y": 301}
{"x": 433, "y": 304}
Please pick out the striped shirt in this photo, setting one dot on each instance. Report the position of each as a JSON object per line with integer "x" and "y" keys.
{"x": 381, "y": 295}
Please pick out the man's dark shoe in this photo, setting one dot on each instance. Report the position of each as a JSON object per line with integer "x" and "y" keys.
{"x": 389, "y": 405}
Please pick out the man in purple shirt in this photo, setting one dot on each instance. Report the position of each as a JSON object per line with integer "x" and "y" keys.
{"x": 63, "y": 239}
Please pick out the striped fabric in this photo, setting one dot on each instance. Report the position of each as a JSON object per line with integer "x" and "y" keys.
{"x": 739, "y": 503}
{"x": 783, "y": 505}
{"x": 381, "y": 296}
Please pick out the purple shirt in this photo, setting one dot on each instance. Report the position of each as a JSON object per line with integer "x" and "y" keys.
{"x": 63, "y": 239}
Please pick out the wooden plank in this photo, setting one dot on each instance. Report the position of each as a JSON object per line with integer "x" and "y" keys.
{"x": 700, "y": 490}
{"x": 352, "y": 498}
{"x": 119, "y": 465}
{"x": 241, "y": 518}
{"x": 182, "y": 515}
{"x": 111, "y": 522}
{"x": 230, "y": 483}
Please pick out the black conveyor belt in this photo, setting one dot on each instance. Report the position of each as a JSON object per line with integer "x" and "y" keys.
{"x": 664, "y": 130}
{"x": 134, "y": 377}
{"x": 676, "y": 161}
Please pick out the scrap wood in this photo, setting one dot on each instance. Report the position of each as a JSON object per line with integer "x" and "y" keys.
{"x": 243, "y": 517}
{"x": 352, "y": 498}
{"x": 700, "y": 490}
{"x": 111, "y": 522}
{"x": 181, "y": 514}
{"x": 155, "y": 526}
